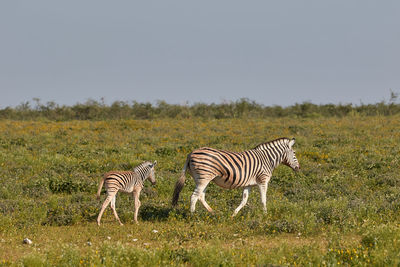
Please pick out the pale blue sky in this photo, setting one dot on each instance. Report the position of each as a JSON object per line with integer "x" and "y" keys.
{"x": 273, "y": 52}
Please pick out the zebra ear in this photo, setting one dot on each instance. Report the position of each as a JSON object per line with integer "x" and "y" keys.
{"x": 155, "y": 163}
{"x": 291, "y": 142}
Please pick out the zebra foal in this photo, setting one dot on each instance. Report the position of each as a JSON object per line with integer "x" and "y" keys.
{"x": 127, "y": 182}
{"x": 230, "y": 170}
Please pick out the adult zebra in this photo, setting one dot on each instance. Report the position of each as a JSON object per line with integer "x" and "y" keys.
{"x": 232, "y": 170}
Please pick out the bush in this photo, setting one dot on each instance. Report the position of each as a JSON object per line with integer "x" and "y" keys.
{"x": 242, "y": 108}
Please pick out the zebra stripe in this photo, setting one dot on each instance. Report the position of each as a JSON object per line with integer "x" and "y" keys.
{"x": 125, "y": 180}
{"x": 128, "y": 182}
{"x": 236, "y": 169}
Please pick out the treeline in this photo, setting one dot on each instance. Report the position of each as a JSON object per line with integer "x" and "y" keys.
{"x": 243, "y": 108}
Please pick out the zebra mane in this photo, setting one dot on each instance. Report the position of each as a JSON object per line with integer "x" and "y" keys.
{"x": 273, "y": 143}
{"x": 142, "y": 165}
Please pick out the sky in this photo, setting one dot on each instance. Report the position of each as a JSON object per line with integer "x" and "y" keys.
{"x": 272, "y": 52}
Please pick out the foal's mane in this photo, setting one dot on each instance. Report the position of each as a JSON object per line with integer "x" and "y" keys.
{"x": 272, "y": 143}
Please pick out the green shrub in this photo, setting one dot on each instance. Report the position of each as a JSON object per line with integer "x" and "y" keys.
{"x": 242, "y": 108}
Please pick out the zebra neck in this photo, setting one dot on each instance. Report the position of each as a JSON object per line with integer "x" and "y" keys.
{"x": 272, "y": 158}
{"x": 141, "y": 172}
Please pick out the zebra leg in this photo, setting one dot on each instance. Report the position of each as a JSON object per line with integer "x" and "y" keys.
{"x": 104, "y": 206}
{"x": 136, "y": 194}
{"x": 246, "y": 193}
{"x": 202, "y": 199}
{"x": 200, "y": 186}
{"x": 114, "y": 210}
{"x": 263, "y": 194}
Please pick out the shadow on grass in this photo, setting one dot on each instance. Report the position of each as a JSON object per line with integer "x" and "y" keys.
{"x": 154, "y": 213}
{"x": 151, "y": 212}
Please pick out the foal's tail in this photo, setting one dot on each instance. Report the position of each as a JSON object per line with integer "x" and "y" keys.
{"x": 101, "y": 186}
{"x": 180, "y": 183}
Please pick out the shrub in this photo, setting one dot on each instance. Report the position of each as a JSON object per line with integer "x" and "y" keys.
{"x": 242, "y": 108}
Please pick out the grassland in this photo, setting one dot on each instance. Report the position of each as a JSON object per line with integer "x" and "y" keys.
{"x": 343, "y": 208}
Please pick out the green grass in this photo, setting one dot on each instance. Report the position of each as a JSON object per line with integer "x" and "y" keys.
{"x": 342, "y": 208}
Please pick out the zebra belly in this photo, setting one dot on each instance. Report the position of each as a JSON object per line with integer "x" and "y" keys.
{"x": 126, "y": 190}
{"x": 221, "y": 181}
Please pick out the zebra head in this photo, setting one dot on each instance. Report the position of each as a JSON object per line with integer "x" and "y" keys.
{"x": 151, "y": 173}
{"x": 289, "y": 158}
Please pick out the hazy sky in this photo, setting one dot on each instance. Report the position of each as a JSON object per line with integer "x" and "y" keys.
{"x": 273, "y": 52}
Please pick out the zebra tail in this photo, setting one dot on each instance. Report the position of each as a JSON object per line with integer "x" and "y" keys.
{"x": 100, "y": 186}
{"x": 180, "y": 183}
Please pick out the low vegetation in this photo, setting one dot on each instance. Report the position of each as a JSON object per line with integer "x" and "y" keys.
{"x": 243, "y": 108}
{"x": 342, "y": 208}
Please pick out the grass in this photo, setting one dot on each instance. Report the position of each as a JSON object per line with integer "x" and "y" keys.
{"x": 342, "y": 208}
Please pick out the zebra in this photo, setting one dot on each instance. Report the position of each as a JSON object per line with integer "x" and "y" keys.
{"x": 235, "y": 169}
{"x": 128, "y": 182}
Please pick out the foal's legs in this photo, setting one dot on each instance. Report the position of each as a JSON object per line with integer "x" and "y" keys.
{"x": 136, "y": 194}
{"x": 105, "y": 204}
{"x": 114, "y": 210}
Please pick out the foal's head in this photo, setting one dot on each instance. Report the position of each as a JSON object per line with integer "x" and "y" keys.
{"x": 151, "y": 174}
